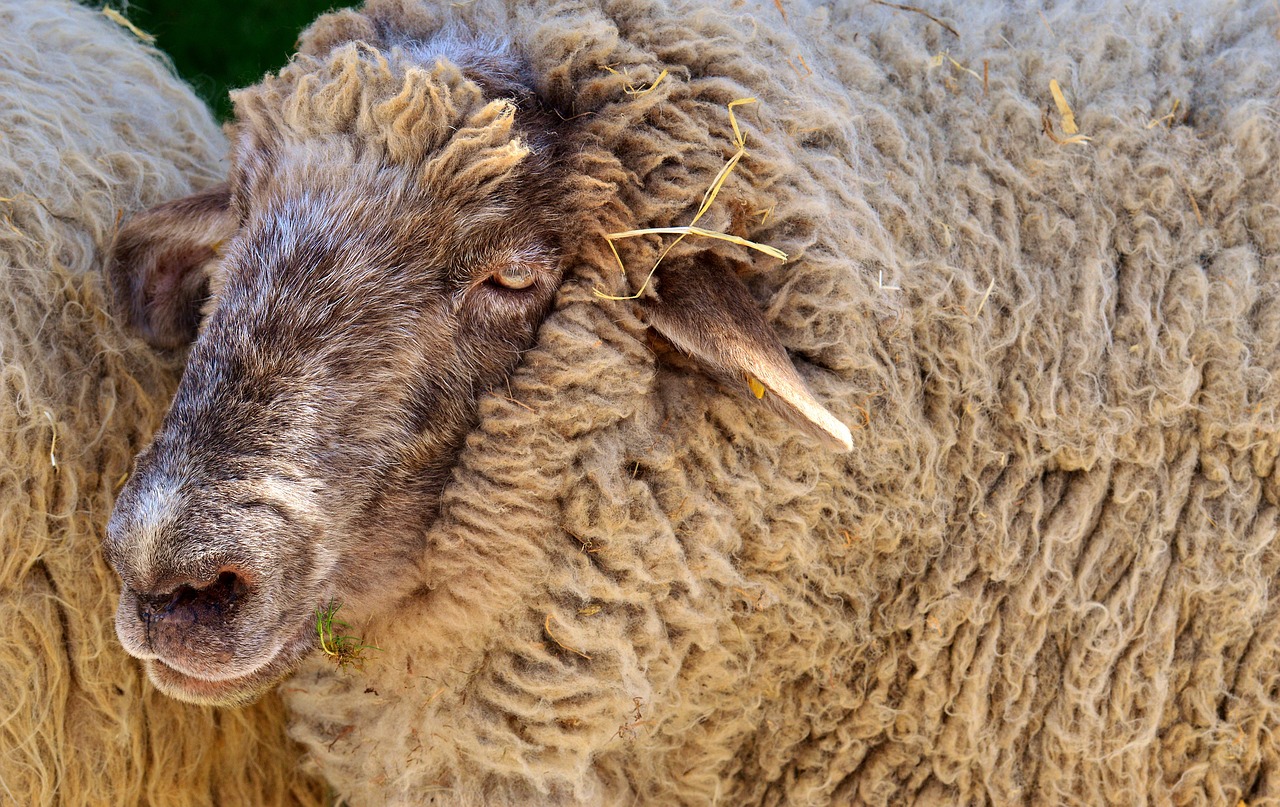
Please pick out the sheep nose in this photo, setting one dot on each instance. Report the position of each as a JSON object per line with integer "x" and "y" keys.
{"x": 211, "y": 603}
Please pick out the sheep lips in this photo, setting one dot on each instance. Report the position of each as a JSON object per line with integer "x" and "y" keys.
{"x": 233, "y": 691}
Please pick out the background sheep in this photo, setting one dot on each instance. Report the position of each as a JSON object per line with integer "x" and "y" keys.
{"x": 1042, "y": 573}
{"x": 93, "y": 126}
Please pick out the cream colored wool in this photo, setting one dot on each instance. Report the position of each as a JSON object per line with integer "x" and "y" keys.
{"x": 1043, "y": 574}
{"x": 93, "y": 126}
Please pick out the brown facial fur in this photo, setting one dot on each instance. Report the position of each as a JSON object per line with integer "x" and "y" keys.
{"x": 384, "y": 195}
{"x": 351, "y": 323}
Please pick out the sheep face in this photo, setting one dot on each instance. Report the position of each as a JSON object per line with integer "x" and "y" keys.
{"x": 384, "y": 251}
{"x": 357, "y": 304}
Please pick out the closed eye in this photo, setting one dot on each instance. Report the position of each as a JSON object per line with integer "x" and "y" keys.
{"x": 514, "y": 276}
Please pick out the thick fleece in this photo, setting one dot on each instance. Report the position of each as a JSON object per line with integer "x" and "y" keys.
{"x": 1045, "y": 572}
{"x": 93, "y": 126}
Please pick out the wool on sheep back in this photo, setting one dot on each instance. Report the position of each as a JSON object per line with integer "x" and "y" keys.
{"x": 93, "y": 126}
{"x": 1045, "y": 571}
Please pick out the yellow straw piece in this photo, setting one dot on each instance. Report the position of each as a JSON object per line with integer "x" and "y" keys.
{"x": 630, "y": 90}
{"x": 1167, "y": 118}
{"x": 708, "y": 199}
{"x": 1064, "y": 109}
{"x": 772, "y": 252}
{"x": 120, "y": 19}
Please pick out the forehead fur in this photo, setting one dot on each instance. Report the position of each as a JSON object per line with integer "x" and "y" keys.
{"x": 434, "y": 119}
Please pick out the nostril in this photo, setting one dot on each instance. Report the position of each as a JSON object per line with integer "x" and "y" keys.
{"x": 227, "y": 589}
{"x": 189, "y": 603}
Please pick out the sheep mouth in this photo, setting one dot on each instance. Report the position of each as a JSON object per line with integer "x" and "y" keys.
{"x": 236, "y": 690}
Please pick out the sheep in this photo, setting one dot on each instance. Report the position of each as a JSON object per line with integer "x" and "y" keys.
{"x": 599, "y": 570}
{"x": 93, "y": 126}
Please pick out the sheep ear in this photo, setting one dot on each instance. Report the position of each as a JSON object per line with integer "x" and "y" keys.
{"x": 160, "y": 264}
{"x": 707, "y": 312}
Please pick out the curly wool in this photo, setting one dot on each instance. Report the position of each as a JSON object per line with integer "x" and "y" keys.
{"x": 1045, "y": 571}
{"x": 93, "y": 126}
{"x": 435, "y": 121}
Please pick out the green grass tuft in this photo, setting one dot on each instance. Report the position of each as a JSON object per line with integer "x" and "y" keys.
{"x": 346, "y": 651}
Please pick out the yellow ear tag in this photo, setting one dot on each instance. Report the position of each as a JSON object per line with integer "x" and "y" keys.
{"x": 757, "y": 389}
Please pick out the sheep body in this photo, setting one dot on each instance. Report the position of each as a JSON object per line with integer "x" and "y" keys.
{"x": 93, "y": 126}
{"x": 1044, "y": 571}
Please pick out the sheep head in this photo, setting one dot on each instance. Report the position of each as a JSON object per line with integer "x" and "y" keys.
{"x": 385, "y": 249}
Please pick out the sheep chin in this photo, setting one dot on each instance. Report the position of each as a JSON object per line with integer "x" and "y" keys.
{"x": 238, "y": 691}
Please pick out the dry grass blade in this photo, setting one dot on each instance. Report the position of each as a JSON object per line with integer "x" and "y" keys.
{"x": 1064, "y": 109}
{"x": 632, "y": 89}
{"x": 120, "y": 19}
{"x": 942, "y": 58}
{"x": 990, "y": 287}
{"x": 636, "y": 91}
{"x": 708, "y": 199}
{"x": 959, "y": 66}
{"x": 1195, "y": 206}
{"x": 546, "y": 626}
{"x": 573, "y": 117}
{"x": 19, "y": 197}
{"x": 738, "y": 139}
{"x": 1046, "y": 124}
{"x": 772, "y": 252}
{"x": 1047, "y": 26}
{"x": 920, "y": 11}
{"x": 1166, "y": 119}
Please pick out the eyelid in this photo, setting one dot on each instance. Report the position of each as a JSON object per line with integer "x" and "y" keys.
{"x": 536, "y": 258}
{"x": 527, "y": 275}
{"x": 488, "y": 277}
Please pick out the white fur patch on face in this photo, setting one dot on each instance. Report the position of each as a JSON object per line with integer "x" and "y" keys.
{"x": 149, "y": 547}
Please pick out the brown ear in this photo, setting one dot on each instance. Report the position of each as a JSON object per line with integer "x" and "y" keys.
{"x": 706, "y": 311}
{"x": 160, "y": 263}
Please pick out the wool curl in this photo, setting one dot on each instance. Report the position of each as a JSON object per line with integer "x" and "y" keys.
{"x": 93, "y": 126}
{"x": 1045, "y": 571}
{"x": 404, "y": 114}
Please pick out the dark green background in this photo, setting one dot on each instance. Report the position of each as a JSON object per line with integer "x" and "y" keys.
{"x": 221, "y": 45}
